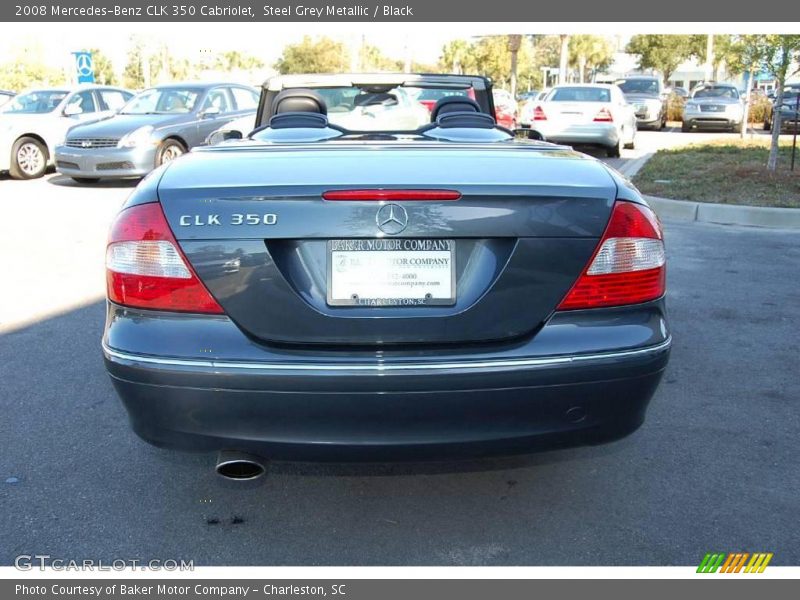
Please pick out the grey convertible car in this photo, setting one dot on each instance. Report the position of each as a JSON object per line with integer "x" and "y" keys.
{"x": 155, "y": 127}
{"x": 313, "y": 292}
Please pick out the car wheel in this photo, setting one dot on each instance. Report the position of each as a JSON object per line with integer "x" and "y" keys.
{"x": 86, "y": 180}
{"x": 767, "y": 126}
{"x": 168, "y": 151}
{"x": 738, "y": 128}
{"x": 28, "y": 159}
{"x": 685, "y": 127}
{"x": 614, "y": 151}
{"x": 632, "y": 143}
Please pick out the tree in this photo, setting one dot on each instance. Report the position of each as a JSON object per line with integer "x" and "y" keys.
{"x": 321, "y": 55}
{"x": 103, "y": 68}
{"x": 233, "y": 60}
{"x": 726, "y": 50}
{"x": 28, "y": 69}
{"x": 743, "y": 56}
{"x": 664, "y": 52}
{"x": 777, "y": 55}
{"x": 589, "y": 52}
{"x": 372, "y": 59}
{"x": 563, "y": 60}
{"x": 514, "y": 44}
{"x": 457, "y": 57}
{"x": 136, "y": 75}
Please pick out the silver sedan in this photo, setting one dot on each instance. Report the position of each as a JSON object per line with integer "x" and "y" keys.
{"x": 586, "y": 114}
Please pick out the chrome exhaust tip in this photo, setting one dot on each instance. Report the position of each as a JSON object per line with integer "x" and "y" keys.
{"x": 239, "y": 466}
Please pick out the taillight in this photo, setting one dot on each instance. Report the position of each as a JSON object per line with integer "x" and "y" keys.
{"x": 429, "y": 104}
{"x": 145, "y": 267}
{"x": 604, "y": 116}
{"x": 628, "y": 266}
{"x": 538, "y": 114}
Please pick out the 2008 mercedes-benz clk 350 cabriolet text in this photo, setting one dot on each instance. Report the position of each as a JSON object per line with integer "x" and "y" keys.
{"x": 335, "y": 286}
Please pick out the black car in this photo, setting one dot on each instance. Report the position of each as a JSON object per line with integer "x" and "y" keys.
{"x": 789, "y": 110}
{"x": 320, "y": 293}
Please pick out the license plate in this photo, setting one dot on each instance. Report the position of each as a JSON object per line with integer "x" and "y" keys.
{"x": 391, "y": 272}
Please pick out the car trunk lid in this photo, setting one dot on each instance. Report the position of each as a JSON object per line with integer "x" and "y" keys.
{"x": 264, "y": 240}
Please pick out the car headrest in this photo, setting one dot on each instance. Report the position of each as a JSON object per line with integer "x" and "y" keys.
{"x": 299, "y": 100}
{"x": 308, "y": 120}
{"x": 468, "y": 119}
{"x": 454, "y": 104}
{"x": 375, "y": 99}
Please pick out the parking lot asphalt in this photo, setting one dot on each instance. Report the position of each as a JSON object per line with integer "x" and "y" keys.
{"x": 714, "y": 468}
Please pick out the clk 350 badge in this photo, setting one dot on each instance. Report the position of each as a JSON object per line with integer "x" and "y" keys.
{"x": 234, "y": 219}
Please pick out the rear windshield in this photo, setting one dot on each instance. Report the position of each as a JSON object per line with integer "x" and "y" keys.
{"x": 580, "y": 94}
{"x": 638, "y": 86}
{"x": 716, "y": 92}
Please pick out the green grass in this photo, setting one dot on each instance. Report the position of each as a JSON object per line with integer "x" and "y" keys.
{"x": 724, "y": 171}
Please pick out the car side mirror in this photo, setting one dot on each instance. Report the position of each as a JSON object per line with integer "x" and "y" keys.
{"x": 528, "y": 134}
{"x": 72, "y": 110}
{"x": 223, "y": 135}
{"x": 211, "y": 111}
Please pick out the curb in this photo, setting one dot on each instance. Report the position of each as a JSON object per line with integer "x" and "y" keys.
{"x": 726, "y": 214}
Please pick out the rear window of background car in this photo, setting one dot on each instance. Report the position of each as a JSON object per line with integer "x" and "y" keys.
{"x": 580, "y": 94}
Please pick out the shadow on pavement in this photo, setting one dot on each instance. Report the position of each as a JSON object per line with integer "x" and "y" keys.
{"x": 66, "y": 181}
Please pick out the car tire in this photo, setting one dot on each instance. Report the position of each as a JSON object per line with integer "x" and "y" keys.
{"x": 614, "y": 151}
{"x": 86, "y": 180}
{"x": 685, "y": 127}
{"x": 767, "y": 126}
{"x": 738, "y": 128}
{"x": 28, "y": 159}
{"x": 631, "y": 144}
{"x": 168, "y": 151}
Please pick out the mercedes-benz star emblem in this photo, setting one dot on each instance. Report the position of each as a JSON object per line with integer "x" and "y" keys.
{"x": 391, "y": 219}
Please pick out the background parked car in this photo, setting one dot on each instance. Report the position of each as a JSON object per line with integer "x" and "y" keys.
{"x": 529, "y": 95}
{"x": 5, "y": 97}
{"x": 33, "y": 123}
{"x": 155, "y": 127}
{"x": 714, "y": 106}
{"x": 360, "y": 110}
{"x": 649, "y": 99}
{"x": 587, "y": 114}
{"x": 505, "y": 108}
{"x": 428, "y": 97}
{"x": 788, "y": 109}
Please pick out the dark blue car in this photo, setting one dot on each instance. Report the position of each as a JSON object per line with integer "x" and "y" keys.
{"x": 314, "y": 292}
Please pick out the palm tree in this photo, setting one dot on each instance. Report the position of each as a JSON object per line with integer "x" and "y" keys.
{"x": 592, "y": 51}
{"x": 514, "y": 44}
{"x": 564, "y": 58}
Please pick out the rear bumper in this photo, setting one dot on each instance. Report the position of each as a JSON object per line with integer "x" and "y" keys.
{"x": 303, "y": 405}
{"x": 105, "y": 163}
{"x": 596, "y": 134}
{"x": 648, "y": 121}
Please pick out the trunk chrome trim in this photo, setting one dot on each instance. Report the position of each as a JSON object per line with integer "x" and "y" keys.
{"x": 551, "y": 361}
